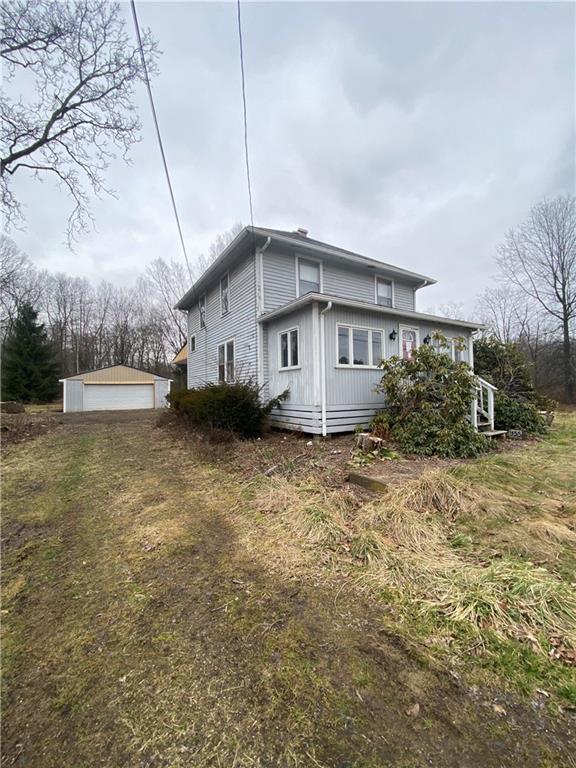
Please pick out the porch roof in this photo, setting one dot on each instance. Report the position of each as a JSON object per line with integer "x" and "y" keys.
{"x": 406, "y": 314}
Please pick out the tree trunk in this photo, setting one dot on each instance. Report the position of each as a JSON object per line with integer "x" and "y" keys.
{"x": 569, "y": 383}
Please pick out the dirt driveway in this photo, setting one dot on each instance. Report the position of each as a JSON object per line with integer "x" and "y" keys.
{"x": 146, "y": 625}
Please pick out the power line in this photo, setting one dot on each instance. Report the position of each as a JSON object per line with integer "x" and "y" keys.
{"x": 245, "y": 114}
{"x": 160, "y": 144}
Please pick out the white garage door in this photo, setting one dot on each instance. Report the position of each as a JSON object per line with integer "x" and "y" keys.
{"x": 118, "y": 397}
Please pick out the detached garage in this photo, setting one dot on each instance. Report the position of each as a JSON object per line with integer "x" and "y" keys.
{"x": 117, "y": 388}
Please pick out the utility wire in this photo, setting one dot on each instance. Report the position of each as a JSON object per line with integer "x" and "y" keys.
{"x": 160, "y": 144}
{"x": 245, "y": 115}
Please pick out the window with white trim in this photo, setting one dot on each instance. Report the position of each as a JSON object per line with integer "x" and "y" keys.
{"x": 192, "y": 343}
{"x": 308, "y": 277}
{"x": 408, "y": 342}
{"x": 226, "y": 361}
{"x": 202, "y": 311}
{"x": 359, "y": 346}
{"x": 289, "y": 349}
{"x": 384, "y": 292}
{"x": 224, "y": 294}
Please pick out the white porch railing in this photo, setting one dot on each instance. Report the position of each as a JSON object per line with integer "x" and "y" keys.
{"x": 482, "y": 408}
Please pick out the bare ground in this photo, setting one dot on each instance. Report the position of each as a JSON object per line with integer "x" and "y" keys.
{"x": 145, "y": 625}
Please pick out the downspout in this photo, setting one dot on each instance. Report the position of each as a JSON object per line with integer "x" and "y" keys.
{"x": 259, "y": 310}
{"x": 326, "y": 309}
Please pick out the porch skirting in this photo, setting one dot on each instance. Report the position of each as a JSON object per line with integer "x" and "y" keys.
{"x": 308, "y": 418}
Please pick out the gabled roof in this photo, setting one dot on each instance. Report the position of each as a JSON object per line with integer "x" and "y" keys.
{"x": 369, "y": 307}
{"x": 115, "y": 374}
{"x": 257, "y": 236}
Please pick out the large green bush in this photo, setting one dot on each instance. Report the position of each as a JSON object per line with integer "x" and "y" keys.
{"x": 235, "y": 407}
{"x": 513, "y": 413}
{"x": 517, "y": 403}
{"x": 428, "y": 399}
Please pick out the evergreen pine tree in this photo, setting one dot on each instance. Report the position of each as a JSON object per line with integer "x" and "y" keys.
{"x": 29, "y": 373}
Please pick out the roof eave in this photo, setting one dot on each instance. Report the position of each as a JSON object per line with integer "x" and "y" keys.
{"x": 390, "y": 311}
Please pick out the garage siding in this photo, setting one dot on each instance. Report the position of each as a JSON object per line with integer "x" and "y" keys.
{"x": 74, "y": 395}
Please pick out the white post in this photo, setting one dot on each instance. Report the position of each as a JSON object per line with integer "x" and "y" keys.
{"x": 491, "y": 407}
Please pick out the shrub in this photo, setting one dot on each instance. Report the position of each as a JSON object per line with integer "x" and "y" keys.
{"x": 513, "y": 413}
{"x": 234, "y": 407}
{"x": 428, "y": 400}
{"x": 516, "y": 402}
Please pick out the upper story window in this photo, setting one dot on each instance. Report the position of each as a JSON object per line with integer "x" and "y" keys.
{"x": 384, "y": 292}
{"x": 289, "y": 349}
{"x": 308, "y": 276}
{"x": 202, "y": 311}
{"x": 359, "y": 346}
{"x": 192, "y": 343}
{"x": 224, "y": 294}
{"x": 226, "y": 361}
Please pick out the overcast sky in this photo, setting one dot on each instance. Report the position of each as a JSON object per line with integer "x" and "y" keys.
{"x": 414, "y": 133}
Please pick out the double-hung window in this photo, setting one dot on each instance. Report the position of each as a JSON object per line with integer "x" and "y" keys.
{"x": 289, "y": 349}
{"x": 224, "y": 294}
{"x": 384, "y": 292}
{"x": 202, "y": 311}
{"x": 308, "y": 276}
{"x": 226, "y": 361}
{"x": 359, "y": 346}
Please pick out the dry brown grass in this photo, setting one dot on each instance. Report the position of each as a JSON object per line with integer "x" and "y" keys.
{"x": 404, "y": 540}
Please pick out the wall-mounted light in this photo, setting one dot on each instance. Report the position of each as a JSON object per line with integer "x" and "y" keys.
{"x": 392, "y": 335}
{"x": 427, "y": 339}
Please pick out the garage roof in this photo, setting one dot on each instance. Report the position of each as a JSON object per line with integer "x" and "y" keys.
{"x": 115, "y": 374}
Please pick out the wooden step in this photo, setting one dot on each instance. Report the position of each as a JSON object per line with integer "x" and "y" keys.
{"x": 493, "y": 432}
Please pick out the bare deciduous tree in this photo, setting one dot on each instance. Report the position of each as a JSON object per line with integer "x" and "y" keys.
{"x": 78, "y": 112}
{"x": 19, "y": 282}
{"x": 216, "y": 247}
{"x": 539, "y": 258}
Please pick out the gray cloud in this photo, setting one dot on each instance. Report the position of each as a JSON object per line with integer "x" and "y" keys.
{"x": 414, "y": 133}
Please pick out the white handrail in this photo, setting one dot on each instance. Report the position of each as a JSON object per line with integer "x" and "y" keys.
{"x": 483, "y": 403}
{"x": 486, "y": 383}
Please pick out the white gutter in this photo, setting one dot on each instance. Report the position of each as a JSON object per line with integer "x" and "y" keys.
{"x": 326, "y": 309}
{"x": 259, "y": 267}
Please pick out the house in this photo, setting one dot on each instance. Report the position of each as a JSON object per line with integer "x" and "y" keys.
{"x": 115, "y": 388}
{"x": 299, "y": 314}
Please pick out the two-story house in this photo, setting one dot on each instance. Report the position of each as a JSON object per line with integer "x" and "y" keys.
{"x": 295, "y": 313}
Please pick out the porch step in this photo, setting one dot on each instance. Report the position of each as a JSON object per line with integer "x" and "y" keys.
{"x": 493, "y": 432}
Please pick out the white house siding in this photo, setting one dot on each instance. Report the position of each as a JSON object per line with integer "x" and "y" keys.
{"x": 348, "y": 282}
{"x": 350, "y": 392}
{"x": 239, "y": 324}
{"x": 302, "y": 408}
{"x": 74, "y": 395}
{"x": 161, "y": 390}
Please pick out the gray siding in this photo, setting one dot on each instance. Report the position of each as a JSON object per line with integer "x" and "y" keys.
{"x": 300, "y": 381}
{"x": 161, "y": 389}
{"x": 279, "y": 277}
{"x": 350, "y": 392}
{"x": 74, "y": 395}
{"x": 239, "y": 324}
{"x": 348, "y": 282}
{"x": 404, "y": 296}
